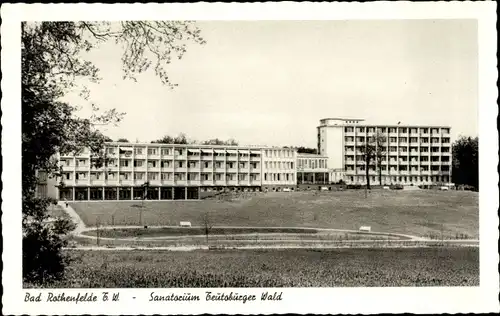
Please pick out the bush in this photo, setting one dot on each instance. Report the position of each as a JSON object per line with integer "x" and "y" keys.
{"x": 354, "y": 186}
{"x": 396, "y": 187}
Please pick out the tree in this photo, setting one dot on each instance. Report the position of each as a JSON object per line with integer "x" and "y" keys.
{"x": 368, "y": 152}
{"x": 306, "y": 150}
{"x": 380, "y": 141}
{"x": 207, "y": 224}
{"x": 220, "y": 142}
{"x": 51, "y": 63}
{"x": 180, "y": 139}
{"x": 465, "y": 168}
{"x": 122, "y": 140}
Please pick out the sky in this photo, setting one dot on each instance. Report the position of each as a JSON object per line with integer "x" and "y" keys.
{"x": 270, "y": 82}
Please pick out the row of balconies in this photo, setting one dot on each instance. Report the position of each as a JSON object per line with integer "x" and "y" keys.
{"x": 400, "y": 134}
{"x": 395, "y": 172}
{"x": 162, "y": 182}
{"x": 165, "y": 169}
{"x": 404, "y": 153}
{"x": 393, "y": 162}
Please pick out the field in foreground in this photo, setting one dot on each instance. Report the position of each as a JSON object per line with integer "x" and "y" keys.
{"x": 452, "y": 214}
{"x": 274, "y": 268}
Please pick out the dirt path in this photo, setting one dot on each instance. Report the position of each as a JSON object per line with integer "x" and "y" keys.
{"x": 81, "y": 228}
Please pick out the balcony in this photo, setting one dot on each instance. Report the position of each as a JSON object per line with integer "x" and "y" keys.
{"x": 244, "y": 170}
{"x": 155, "y": 182}
{"x": 220, "y": 182}
{"x": 126, "y": 182}
{"x": 180, "y": 157}
{"x": 167, "y": 169}
{"x": 232, "y": 182}
{"x": 193, "y": 182}
{"x": 180, "y": 169}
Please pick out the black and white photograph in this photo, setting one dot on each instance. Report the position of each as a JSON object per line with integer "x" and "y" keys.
{"x": 231, "y": 162}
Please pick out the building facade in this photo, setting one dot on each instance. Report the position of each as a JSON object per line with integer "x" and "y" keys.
{"x": 312, "y": 169}
{"x": 174, "y": 171}
{"x": 409, "y": 154}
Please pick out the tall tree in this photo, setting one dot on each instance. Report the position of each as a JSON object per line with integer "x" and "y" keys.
{"x": 380, "y": 141}
{"x": 465, "y": 168}
{"x": 51, "y": 63}
{"x": 368, "y": 151}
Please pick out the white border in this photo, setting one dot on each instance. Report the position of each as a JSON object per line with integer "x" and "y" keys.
{"x": 313, "y": 300}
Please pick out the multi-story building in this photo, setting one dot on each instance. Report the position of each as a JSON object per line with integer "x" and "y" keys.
{"x": 409, "y": 154}
{"x": 174, "y": 171}
{"x": 312, "y": 169}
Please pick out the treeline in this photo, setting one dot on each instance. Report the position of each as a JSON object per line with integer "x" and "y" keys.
{"x": 182, "y": 139}
{"x": 303, "y": 150}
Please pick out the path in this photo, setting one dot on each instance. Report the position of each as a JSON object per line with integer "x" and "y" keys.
{"x": 81, "y": 228}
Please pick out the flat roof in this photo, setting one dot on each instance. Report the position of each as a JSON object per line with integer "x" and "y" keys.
{"x": 249, "y": 147}
{"x": 306, "y": 155}
{"x": 395, "y": 125}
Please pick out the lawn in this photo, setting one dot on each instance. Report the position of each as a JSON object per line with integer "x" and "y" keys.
{"x": 274, "y": 268}
{"x": 422, "y": 213}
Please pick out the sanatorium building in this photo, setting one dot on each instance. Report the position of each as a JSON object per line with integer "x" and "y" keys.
{"x": 412, "y": 155}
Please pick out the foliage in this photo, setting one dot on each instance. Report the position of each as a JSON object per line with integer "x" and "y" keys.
{"x": 51, "y": 65}
{"x": 466, "y": 162}
{"x": 180, "y": 139}
{"x": 306, "y": 150}
{"x": 216, "y": 141}
{"x": 122, "y": 140}
{"x": 368, "y": 152}
{"x": 275, "y": 268}
{"x": 380, "y": 141}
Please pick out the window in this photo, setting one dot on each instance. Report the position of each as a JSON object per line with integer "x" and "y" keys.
{"x": 361, "y": 129}
{"x": 349, "y": 129}
{"x": 207, "y": 164}
{"x": 152, "y": 176}
{"x": 138, "y": 175}
{"x": 404, "y": 130}
{"x": 110, "y": 150}
{"x": 138, "y": 151}
{"x": 392, "y": 130}
{"x": 371, "y": 129}
{"x": 180, "y": 164}
{"x": 152, "y": 164}
{"x": 392, "y": 139}
{"x": 166, "y": 176}
{"x": 152, "y": 151}
{"x": 68, "y": 176}
{"x": 138, "y": 163}
{"x": 123, "y": 163}
{"x": 165, "y": 151}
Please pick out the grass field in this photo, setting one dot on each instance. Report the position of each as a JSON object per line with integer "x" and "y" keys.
{"x": 421, "y": 213}
{"x": 276, "y": 268}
